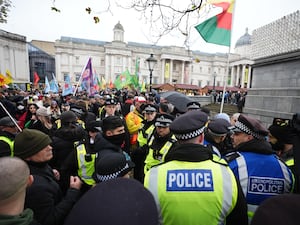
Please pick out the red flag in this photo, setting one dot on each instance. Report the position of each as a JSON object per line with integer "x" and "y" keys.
{"x": 36, "y": 78}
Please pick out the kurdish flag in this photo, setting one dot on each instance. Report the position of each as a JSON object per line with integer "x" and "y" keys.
{"x": 217, "y": 30}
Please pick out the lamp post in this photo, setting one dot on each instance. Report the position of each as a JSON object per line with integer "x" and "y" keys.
{"x": 151, "y": 63}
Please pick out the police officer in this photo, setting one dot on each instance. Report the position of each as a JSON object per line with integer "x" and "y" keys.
{"x": 261, "y": 173}
{"x": 190, "y": 187}
{"x": 160, "y": 142}
{"x": 144, "y": 134}
{"x": 216, "y": 134}
{"x": 8, "y": 130}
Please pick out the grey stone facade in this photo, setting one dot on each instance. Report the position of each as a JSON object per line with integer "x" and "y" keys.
{"x": 276, "y": 88}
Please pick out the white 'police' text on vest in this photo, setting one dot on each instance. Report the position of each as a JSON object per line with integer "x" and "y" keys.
{"x": 190, "y": 180}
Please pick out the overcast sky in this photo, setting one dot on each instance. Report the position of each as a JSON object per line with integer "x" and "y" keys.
{"x": 35, "y": 20}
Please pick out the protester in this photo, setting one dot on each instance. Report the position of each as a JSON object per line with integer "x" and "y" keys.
{"x": 15, "y": 178}
{"x": 63, "y": 144}
{"x": 44, "y": 196}
{"x": 261, "y": 173}
{"x": 115, "y": 202}
{"x": 43, "y": 122}
{"x": 192, "y": 188}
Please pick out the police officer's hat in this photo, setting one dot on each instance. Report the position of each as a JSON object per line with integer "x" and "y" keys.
{"x": 189, "y": 125}
{"x": 193, "y": 106}
{"x": 219, "y": 127}
{"x": 164, "y": 120}
{"x": 249, "y": 126}
{"x": 110, "y": 101}
{"x": 148, "y": 108}
{"x": 7, "y": 122}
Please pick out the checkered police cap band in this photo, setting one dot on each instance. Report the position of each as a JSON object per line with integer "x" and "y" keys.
{"x": 247, "y": 130}
{"x": 107, "y": 177}
{"x": 190, "y": 135}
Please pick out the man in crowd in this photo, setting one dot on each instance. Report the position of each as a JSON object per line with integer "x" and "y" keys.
{"x": 44, "y": 196}
{"x": 192, "y": 188}
{"x": 15, "y": 178}
{"x": 261, "y": 173}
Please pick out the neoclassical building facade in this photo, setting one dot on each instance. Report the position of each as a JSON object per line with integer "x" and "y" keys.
{"x": 174, "y": 64}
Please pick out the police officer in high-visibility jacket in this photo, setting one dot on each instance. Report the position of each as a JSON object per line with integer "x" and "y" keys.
{"x": 160, "y": 142}
{"x": 260, "y": 172}
{"x": 190, "y": 187}
{"x": 8, "y": 131}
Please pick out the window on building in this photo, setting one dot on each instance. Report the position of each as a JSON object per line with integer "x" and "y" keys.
{"x": 77, "y": 59}
{"x": 207, "y": 83}
{"x": 219, "y": 70}
{"x": 77, "y": 76}
{"x": 192, "y": 68}
{"x": 199, "y": 83}
{"x": 119, "y": 61}
{"x": 209, "y": 70}
{"x": 175, "y": 67}
{"x": 65, "y": 76}
{"x": 200, "y": 69}
{"x": 218, "y": 83}
{"x": 102, "y": 62}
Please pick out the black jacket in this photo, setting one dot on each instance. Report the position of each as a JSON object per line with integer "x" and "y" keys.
{"x": 45, "y": 197}
{"x": 198, "y": 153}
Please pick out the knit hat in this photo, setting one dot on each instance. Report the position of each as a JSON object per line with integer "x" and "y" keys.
{"x": 282, "y": 134}
{"x": 115, "y": 202}
{"x": 68, "y": 117}
{"x": 189, "y": 125}
{"x": 30, "y": 142}
{"x": 112, "y": 165}
{"x": 111, "y": 123}
{"x": 42, "y": 111}
{"x": 250, "y": 126}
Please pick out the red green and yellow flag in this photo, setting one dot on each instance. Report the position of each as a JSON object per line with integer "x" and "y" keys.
{"x": 217, "y": 30}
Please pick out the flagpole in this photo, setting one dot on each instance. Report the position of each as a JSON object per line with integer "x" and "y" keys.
{"x": 225, "y": 80}
{"x": 80, "y": 79}
{"x": 227, "y": 66}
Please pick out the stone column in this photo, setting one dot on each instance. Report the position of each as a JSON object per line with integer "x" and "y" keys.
{"x": 163, "y": 62}
{"x": 243, "y": 76}
{"x": 171, "y": 71}
{"x": 249, "y": 76}
{"x": 231, "y": 76}
{"x": 182, "y": 73}
{"x": 237, "y": 75}
{"x": 112, "y": 69}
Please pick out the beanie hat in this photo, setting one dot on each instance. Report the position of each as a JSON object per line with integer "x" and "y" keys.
{"x": 30, "y": 142}
{"x": 67, "y": 117}
{"x": 282, "y": 134}
{"x": 115, "y": 202}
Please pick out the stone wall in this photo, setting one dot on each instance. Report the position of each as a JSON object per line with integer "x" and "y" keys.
{"x": 275, "y": 88}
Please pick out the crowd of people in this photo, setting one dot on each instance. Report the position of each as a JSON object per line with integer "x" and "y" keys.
{"x": 123, "y": 157}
